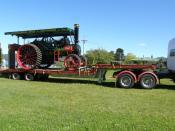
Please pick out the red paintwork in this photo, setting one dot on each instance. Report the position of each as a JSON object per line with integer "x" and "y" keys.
{"x": 20, "y": 61}
{"x": 68, "y": 48}
{"x": 56, "y": 56}
{"x": 128, "y": 72}
{"x": 75, "y": 71}
{"x": 109, "y": 66}
{"x": 51, "y": 72}
{"x": 72, "y": 61}
{"x": 148, "y": 72}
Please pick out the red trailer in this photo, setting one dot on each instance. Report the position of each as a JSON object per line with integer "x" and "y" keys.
{"x": 32, "y": 61}
{"x": 125, "y": 75}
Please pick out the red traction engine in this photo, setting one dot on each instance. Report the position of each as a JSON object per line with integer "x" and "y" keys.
{"x": 49, "y": 46}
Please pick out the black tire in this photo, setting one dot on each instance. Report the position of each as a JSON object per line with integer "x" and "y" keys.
{"x": 16, "y": 76}
{"x": 29, "y": 77}
{"x": 47, "y": 55}
{"x": 148, "y": 81}
{"x": 126, "y": 81}
{"x": 39, "y": 55}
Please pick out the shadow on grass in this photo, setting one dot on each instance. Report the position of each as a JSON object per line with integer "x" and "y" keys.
{"x": 69, "y": 81}
{"x": 80, "y": 81}
{"x": 104, "y": 84}
{"x": 169, "y": 87}
{"x": 92, "y": 81}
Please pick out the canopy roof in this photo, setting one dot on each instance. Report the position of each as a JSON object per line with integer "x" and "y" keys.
{"x": 42, "y": 33}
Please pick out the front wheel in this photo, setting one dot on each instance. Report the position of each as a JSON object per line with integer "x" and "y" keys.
{"x": 126, "y": 81}
{"x": 148, "y": 81}
{"x": 72, "y": 61}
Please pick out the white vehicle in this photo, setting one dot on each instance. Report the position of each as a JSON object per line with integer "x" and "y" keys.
{"x": 171, "y": 55}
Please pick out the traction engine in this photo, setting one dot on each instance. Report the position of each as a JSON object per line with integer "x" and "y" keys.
{"x": 46, "y": 48}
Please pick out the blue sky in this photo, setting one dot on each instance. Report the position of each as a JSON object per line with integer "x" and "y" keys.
{"x": 142, "y": 27}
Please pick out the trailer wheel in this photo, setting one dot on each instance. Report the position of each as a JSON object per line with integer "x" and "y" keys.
{"x": 29, "y": 77}
{"x": 148, "y": 81}
{"x": 126, "y": 81}
{"x": 16, "y": 76}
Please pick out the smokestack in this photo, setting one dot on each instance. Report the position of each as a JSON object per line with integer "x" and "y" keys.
{"x": 76, "y": 30}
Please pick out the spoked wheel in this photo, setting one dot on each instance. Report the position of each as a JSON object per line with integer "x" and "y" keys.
{"x": 29, "y": 56}
{"x": 126, "y": 81}
{"x": 46, "y": 52}
{"x": 72, "y": 61}
{"x": 83, "y": 60}
{"x": 148, "y": 81}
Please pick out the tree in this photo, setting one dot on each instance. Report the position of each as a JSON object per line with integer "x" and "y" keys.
{"x": 129, "y": 57}
{"x": 119, "y": 54}
{"x": 99, "y": 56}
{"x": 112, "y": 53}
{"x": 0, "y": 56}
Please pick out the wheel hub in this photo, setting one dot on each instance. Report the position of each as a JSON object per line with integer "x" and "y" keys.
{"x": 148, "y": 81}
{"x": 126, "y": 81}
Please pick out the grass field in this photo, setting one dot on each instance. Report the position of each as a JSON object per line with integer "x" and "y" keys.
{"x": 85, "y": 106}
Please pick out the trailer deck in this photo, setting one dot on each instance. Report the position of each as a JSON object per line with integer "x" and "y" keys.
{"x": 88, "y": 70}
{"x": 95, "y": 71}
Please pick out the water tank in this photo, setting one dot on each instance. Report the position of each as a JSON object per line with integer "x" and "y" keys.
{"x": 171, "y": 55}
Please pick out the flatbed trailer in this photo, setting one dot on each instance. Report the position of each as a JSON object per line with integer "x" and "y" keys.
{"x": 45, "y": 51}
{"x": 124, "y": 75}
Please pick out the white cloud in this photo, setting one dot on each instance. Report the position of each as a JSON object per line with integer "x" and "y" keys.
{"x": 142, "y": 44}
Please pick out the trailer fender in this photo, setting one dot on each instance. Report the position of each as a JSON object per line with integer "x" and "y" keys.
{"x": 152, "y": 73}
{"x": 127, "y": 72}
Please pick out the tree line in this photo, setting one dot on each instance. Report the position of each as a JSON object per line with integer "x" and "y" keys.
{"x": 98, "y": 56}
{"x": 0, "y": 56}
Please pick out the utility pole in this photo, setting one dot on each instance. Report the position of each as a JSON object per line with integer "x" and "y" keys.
{"x": 84, "y": 42}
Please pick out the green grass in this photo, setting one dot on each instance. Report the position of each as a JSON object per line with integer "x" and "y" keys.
{"x": 55, "y": 105}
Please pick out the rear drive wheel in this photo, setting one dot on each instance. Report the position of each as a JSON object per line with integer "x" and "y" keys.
{"x": 126, "y": 81}
{"x": 29, "y": 56}
{"x": 148, "y": 81}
